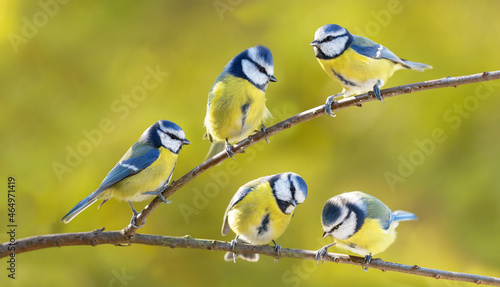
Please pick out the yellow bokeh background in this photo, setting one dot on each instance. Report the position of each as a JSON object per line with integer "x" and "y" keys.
{"x": 67, "y": 66}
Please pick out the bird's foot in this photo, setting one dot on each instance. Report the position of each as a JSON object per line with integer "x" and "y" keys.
{"x": 233, "y": 244}
{"x": 376, "y": 90}
{"x": 264, "y": 130}
{"x": 368, "y": 259}
{"x": 229, "y": 150}
{"x": 134, "y": 217}
{"x": 322, "y": 252}
{"x": 328, "y": 106}
{"x": 277, "y": 248}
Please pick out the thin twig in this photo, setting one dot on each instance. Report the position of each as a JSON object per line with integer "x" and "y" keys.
{"x": 129, "y": 230}
{"x": 128, "y": 234}
{"x": 99, "y": 237}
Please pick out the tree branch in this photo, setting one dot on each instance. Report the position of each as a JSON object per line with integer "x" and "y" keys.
{"x": 99, "y": 237}
{"x": 128, "y": 235}
{"x": 129, "y": 230}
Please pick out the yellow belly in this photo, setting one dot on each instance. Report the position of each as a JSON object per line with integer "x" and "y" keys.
{"x": 245, "y": 219}
{"x": 362, "y": 71}
{"x": 153, "y": 178}
{"x": 370, "y": 239}
{"x": 225, "y": 120}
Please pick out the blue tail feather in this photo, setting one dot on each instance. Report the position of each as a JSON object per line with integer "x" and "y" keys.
{"x": 417, "y": 66}
{"x": 400, "y": 215}
{"x": 80, "y": 206}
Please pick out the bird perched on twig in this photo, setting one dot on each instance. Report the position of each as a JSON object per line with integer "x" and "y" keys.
{"x": 358, "y": 64}
{"x": 143, "y": 172}
{"x": 261, "y": 210}
{"x": 360, "y": 223}
{"x": 237, "y": 101}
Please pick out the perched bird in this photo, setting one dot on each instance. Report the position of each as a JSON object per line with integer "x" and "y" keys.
{"x": 237, "y": 100}
{"x": 358, "y": 64}
{"x": 261, "y": 210}
{"x": 360, "y": 223}
{"x": 143, "y": 172}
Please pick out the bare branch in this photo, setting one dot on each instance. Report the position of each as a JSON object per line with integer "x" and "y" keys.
{"x": 99, "y": 237}
{"x": 129, "y": 230}
{"x": 128, "y": 235}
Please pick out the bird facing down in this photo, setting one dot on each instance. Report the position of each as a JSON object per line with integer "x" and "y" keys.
{"x": 360, "y": 223}
{"x": 261, "y": 210}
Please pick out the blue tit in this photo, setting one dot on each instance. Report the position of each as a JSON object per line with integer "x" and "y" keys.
{"x": 261, "y": 210}
{"x": 360, "y": 223}
{"x": 143, "y": 172}
{"x": 237, "y": 100}
{"x": 358, "y": 64}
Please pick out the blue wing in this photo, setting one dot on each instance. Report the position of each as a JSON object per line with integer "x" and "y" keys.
{"x": 137, "y": 158}
{"x": 368, "y": 48}
{"x": 128, "y": 167}
{"x": 376, "y": 209}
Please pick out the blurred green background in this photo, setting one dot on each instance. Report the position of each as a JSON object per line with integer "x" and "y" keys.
{"x": 66, "y": 67}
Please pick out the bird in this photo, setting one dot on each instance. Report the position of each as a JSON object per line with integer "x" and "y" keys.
{"x": 261, "y": 210}
{"x": 143, "y": 172}
{"x": 237, "y": 100}
{"x": 361, "y": 223}
{"x": 357, "y": 63}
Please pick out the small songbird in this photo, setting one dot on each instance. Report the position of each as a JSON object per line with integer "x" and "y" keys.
{"x": 261, "y": 210}
{"x": 360, "y": 223}
{"x": 143, "y": 172}
{"x": 237, "y": 100}
{"x": 358, "y": 64}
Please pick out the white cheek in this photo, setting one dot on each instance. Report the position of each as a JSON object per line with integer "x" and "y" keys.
{"x": 347, "y": 228}
{"x": 335, "y": 47}
{"x": 299, "y": 196}
{"x": 282, "y": 189}
{"x": 253, "y": 73}
{"x": 168, "y": 142}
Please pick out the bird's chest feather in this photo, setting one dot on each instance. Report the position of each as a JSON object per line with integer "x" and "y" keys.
{"x": 258, "y": 219}
{"x": 237, "y": 108}
{"x": 370, "y": 239}
{"x": 152, "y": 178}
{"x": 357, "y": 72}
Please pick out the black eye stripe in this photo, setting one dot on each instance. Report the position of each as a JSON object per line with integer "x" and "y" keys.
{"x": 175, "y": 137}
{"x": 292, "y": 187}
{"x": 335, "y": 227}
{"x": 172, "y": 136}
{"x": 261, "y": 69}
{"x": 330, "y": 38}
